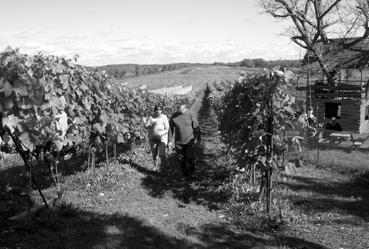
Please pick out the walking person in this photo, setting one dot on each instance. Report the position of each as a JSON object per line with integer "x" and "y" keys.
{"x": 185, "y": 131}
{"x": 158, "y": 126}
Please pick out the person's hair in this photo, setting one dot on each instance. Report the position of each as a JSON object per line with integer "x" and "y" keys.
{"x": 158, "y": 106}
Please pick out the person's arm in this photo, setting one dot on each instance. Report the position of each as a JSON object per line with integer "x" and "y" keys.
{"x": 195, "y": 127}
{"x": 171, "y": 132}
{"x": 147, "y": 121}
{"x": 166, "y": 125}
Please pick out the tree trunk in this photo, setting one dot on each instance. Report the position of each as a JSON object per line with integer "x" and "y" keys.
{"x": 328, "y": 73}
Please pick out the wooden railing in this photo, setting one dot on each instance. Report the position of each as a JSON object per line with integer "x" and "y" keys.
{"x": 352, "y": 91}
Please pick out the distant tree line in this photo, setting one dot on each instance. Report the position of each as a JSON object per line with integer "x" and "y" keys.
{"x": 130, "y": 70}
{"x": 120, "y": 71}
{"x": 261, "y": 63}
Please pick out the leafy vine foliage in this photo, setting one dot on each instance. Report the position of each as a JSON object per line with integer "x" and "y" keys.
{"x": 247, "y": 110}
{"x": 50, "y": 104}
{"x": 253, "y": 115}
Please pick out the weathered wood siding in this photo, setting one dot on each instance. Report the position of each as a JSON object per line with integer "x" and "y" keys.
{"x": 364, "y": 124}
{"x": 350, "y": 112}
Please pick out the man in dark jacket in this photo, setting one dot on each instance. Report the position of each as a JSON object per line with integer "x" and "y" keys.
{"x": 184, "y": 129}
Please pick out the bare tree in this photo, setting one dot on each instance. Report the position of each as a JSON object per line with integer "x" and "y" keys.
{"x": 315, "y": 22}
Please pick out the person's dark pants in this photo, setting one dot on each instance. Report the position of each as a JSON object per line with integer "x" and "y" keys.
{"x": 188, "y": 157}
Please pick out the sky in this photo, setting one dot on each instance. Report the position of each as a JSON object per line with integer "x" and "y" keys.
{"x": 106, "y": 32}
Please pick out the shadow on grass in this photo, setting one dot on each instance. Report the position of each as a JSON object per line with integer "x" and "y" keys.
{"x": 210, "y": 172}
{"x": 351, "y": 197}
{"x": 72, "y": 228}
{"x": 14, "y": 181}
{"x": 16, "y": 176}
{"x": 68, "y": 227}
{"x": 214, "y": 236}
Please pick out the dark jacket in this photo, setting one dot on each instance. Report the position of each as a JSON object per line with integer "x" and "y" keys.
{"x": 183, "y": 127}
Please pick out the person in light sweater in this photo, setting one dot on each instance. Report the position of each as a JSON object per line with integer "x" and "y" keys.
{"x": 158, "y": 125}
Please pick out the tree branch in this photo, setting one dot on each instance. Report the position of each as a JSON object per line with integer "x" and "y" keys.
{"x": 330, "y": 8}
{"x": 299, "y": 41}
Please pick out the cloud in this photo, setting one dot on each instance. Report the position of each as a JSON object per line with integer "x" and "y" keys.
{"x": 23, "y": 35}
{"x": 247, "y": 20}
{"x": 100, "y": 49}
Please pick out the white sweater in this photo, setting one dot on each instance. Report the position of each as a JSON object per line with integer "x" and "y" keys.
{"x": 159, "y": 127}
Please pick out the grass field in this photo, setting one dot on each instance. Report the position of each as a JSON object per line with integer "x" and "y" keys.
{"x": 196, "y": 77}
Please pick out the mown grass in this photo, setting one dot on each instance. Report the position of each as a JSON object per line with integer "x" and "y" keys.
{"x": 329, "y": 198}
{"x": 342, "y": 161}
{"x": 321, "y": 207}
{"x": 197, "y": 77}
{"x": 324, "y": 202}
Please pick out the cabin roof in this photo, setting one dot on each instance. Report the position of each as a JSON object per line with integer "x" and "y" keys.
{"x": 342, "y": 53}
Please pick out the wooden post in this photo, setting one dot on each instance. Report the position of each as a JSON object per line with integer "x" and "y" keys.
{"x": 115, "y": 151}
{"x": 253, "y": 175}
{"x": 269, "y": 157}
{"x": 106, "y": 152}
{"x": 93, "y": 161}
{"x": 89, "y": 158}
{"x": 308, "y": 89}
{"x": 29, "y": 203}
{"x": 347, "y": 73}
{"x": 317, "y": 151}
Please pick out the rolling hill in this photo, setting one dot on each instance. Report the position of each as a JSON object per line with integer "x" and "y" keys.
{"x": 194, "y": 76}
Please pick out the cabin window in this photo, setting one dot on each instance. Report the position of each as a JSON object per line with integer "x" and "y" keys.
{"x": 332, "y": 110}
{"x": 367, "y": 112}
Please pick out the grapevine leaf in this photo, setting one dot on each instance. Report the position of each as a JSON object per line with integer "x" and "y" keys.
{"x": 98, "y": 127}
{"x": 2, "y": 81}
{"x": 19, "y": 88}
{"x": 11, "y": 121}
{"x": 7, "y": 89}
{"x": 58, "y": 145}
{"x": 26, "y": 141}
{"x": 62, "y": 122}
{"x": 64, "y": 80}
{"x": 6, "y": 138}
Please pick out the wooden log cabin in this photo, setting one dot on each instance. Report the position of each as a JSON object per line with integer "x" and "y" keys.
{"x": 348, "y": 99}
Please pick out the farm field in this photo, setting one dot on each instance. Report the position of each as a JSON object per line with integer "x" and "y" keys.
{"x": 196, "y": 77}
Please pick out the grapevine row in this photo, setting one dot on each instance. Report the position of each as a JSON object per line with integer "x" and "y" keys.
{"x": 253, "y": 116}
{"x": 50, "y": 106}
